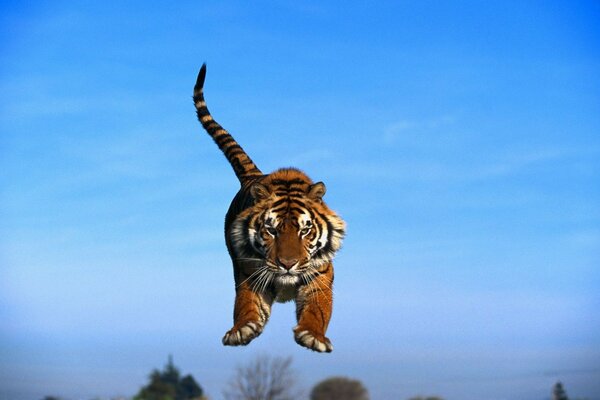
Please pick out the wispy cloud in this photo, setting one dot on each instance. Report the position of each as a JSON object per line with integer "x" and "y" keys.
{"x": 40, "y": 97}
{"x": 497, "y": 166}
{"x": 407, "y": 128}
{"x": 44, "y": 106}
{"x": 584, "y": 240}
{"x": 312, "y": 157}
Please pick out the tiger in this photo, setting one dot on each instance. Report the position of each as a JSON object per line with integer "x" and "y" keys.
{"x": 281, "y": 237}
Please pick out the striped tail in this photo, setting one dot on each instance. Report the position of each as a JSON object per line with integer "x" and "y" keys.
{"x": 243, "y": 166}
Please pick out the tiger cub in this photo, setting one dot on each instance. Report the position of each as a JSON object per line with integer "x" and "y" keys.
{"x": 281, "y": 237}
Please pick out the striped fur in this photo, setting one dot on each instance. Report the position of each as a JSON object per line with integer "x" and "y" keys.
{"x": 281, "y": 237}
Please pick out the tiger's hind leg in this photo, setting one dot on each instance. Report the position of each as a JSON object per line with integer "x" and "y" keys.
{"x": 250, "y": 315}
{"x": 314, "y": 304}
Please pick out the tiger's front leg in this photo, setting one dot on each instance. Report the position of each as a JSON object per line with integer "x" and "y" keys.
{"x": 314, "y": 303}
{"x": 250, "y": 314}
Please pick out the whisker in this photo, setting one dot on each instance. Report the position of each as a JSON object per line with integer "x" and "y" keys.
{"x": 255, "y": 282}
{"x": 309, "y": 280}
{"x": 317, "y": 281}
{"x": 261, "y": 283}
{"x": 304, "y": 277}
{"x": 266, "y": 282}
{"x": 258, "y": 282}
{"x": 258, "y": 271}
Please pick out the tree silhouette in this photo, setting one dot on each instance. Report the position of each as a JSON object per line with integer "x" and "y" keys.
{"x": 558, "y": 392}
{"x": 426, "y": 398}
{"x": 263, "y": 379}
{"x": 339, "y": 388}
{"x": 168, "y": 385}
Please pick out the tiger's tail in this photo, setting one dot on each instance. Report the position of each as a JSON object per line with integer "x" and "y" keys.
{"x": 243, "y": 166}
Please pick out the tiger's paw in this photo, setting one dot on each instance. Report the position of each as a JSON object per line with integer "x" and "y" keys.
{"x": 242, "y": 335}
{"x": 312, "y": 341}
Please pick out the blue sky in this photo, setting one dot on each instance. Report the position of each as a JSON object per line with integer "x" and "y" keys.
{"x": 460, "y": 141}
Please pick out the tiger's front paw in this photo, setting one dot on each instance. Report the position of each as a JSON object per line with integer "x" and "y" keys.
{"x": 243, "y": 334}
{"x": 312, "y": 340}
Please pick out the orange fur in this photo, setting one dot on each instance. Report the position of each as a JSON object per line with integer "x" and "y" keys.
{"x": 281, "y": 237}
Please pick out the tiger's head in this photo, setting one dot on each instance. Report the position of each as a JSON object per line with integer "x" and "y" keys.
{"x": 289, "y": 227}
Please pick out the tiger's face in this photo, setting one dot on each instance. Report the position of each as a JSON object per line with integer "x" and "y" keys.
{"x": 289, "y": 228}
{"x": 288, "y": 242}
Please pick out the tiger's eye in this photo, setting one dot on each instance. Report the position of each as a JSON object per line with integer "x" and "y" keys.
{"x": 271, "y": 231}
{"x": 305, "y": 231}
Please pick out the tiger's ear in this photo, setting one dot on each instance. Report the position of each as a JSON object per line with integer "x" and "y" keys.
{"x": 317, "y": 191}
{"x": 259, "y": 191}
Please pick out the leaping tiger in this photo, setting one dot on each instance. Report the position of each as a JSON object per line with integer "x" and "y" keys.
{"x": 281, "y": 237}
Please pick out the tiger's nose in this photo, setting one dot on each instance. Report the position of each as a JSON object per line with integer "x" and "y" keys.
{"x": 287, "y": 263}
